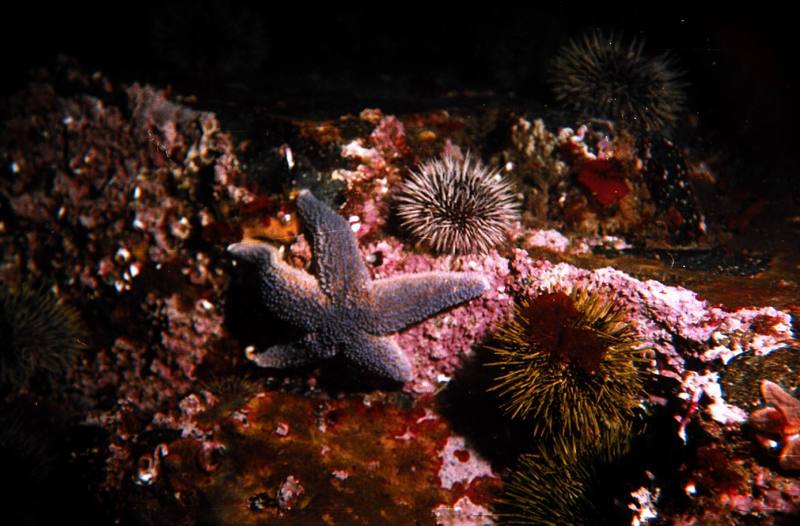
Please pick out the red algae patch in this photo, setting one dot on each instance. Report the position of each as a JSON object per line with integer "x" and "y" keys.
{"x": 348, "y": 461}
{"x": 605, "y": 180}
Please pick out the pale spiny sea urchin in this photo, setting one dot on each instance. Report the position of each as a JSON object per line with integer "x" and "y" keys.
{"x": 457, "y": 206}
{"x": 600, "y": 75}
{"x": 570, "y": 365}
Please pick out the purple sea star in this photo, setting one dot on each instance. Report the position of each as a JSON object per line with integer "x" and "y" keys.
{"x": 342, "y": 310}
{"x": 782, "y": 419}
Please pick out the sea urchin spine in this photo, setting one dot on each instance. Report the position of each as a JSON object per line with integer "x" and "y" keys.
{"x": 457, "y": 206}
{"x": 38, "y": 334}
{"x": 599, "y": 75}
{"x": 570, "y": 365}
{"x": 544, "y": 490}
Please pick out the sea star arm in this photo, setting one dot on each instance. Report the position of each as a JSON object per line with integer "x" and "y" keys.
{"x": 768, "y": 420}
{"x": 339, "y": 267}
{"x": 781, "y": 417}
{"x": 400, "y": 301}
{"x": 790, "y": 456}
{"x": 381, "y": 357}
{"x": 302, "y": 352}
{"x": 788, "y": 405}
{"x": 291, "y": 294}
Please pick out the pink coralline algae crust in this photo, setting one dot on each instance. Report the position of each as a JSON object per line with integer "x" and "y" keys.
{"x": 438, "y": 346}
{"x": 659, "y": 314}
{"x": 369, "y": 181}
{"x": 460, "y": 465}
{"x": 662, "y": 315}
{"x": 552, "y": 240}
{"x": 121, "y": 190}
{"x": 463, "y": 512}
{"x": 168, "y": 368}
{"x": 682, "y": 330}
{"x": 108, "y": 190}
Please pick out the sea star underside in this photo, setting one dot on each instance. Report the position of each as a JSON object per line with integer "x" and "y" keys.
{"x": 342, "y": 311}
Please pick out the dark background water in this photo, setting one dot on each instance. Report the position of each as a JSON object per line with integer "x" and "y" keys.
{"x": 404, "y": 56}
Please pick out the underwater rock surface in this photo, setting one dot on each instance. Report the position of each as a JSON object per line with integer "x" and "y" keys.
{"x": 123, "y": 199}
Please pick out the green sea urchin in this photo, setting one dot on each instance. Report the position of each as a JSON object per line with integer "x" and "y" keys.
{"x": 600, "y": 75}
{"x": 231, "y": 393}
{"x": 457, "y": 206}
{"x": 544, "y": 490}
{"x": 569, "y": 365}
{"x": 38, "y": 334}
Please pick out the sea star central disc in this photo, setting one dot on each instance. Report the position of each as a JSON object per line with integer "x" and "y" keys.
{"x": 341, "y": 310}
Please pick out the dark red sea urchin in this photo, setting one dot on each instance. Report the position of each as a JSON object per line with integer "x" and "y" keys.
{"x": 457, "y": 206}
{"x": 601, "y": 75}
